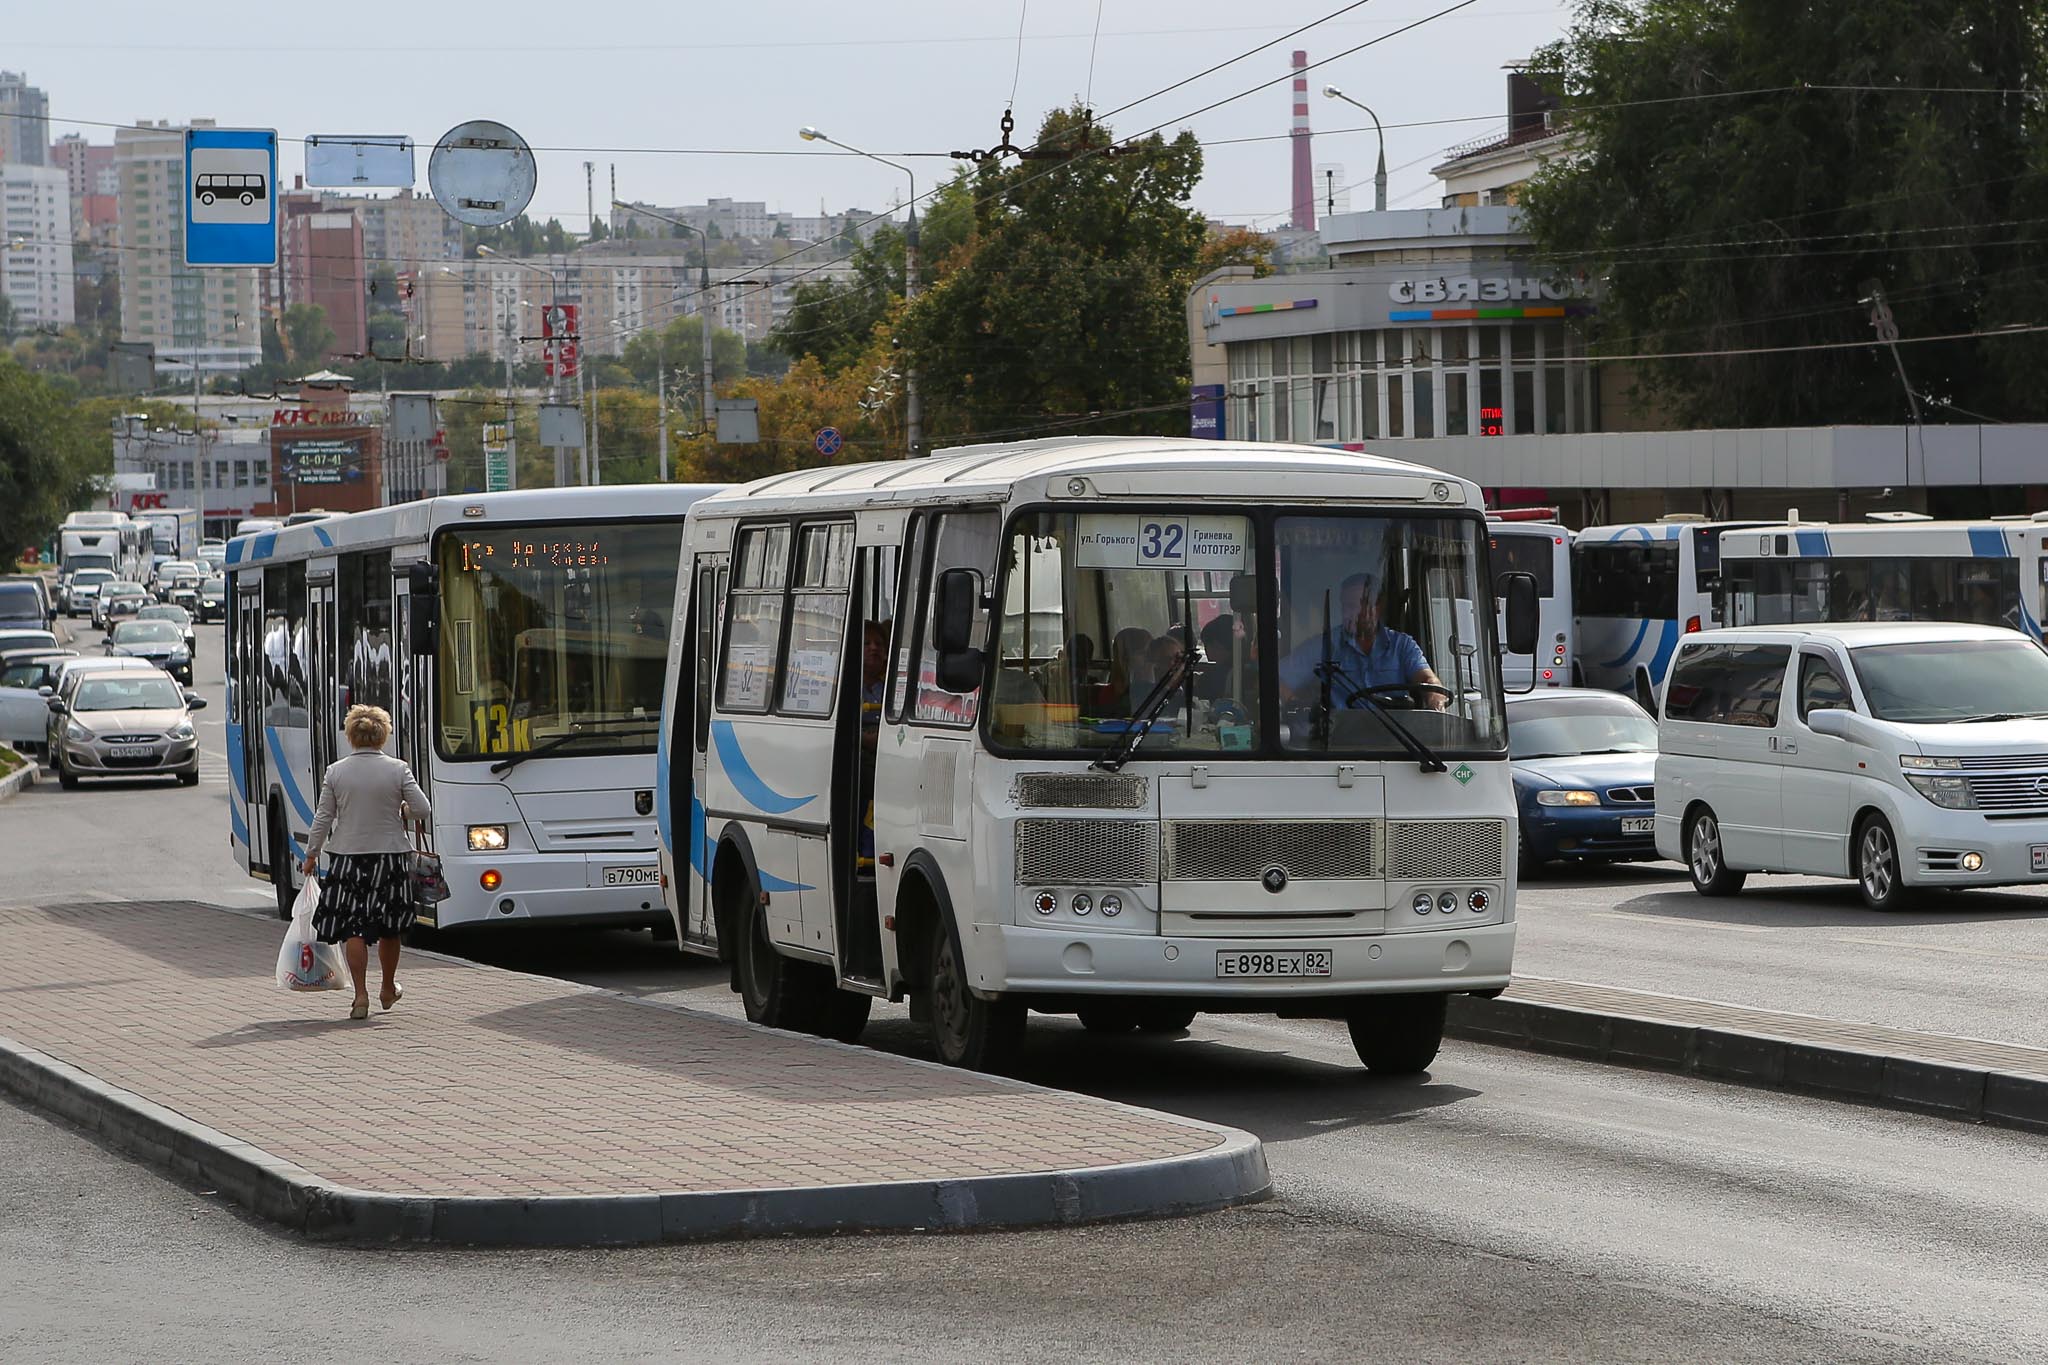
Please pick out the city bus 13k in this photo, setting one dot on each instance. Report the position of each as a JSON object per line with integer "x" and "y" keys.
{"x": 516, "y": 640}
{"x": 1122, "y": 728}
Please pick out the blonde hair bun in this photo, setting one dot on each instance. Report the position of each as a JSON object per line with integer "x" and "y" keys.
{"x": 367, "y": 727}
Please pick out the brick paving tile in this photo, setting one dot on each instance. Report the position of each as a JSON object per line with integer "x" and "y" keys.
{"x": 484, "y": 1082}
{"x": 2013, "y": 1058}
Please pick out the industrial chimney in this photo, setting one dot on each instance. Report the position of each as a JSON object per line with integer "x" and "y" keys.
{"x": 1304, "y": 219}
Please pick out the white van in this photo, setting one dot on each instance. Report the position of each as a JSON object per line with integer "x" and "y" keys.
{"x": 1900, "y": 754}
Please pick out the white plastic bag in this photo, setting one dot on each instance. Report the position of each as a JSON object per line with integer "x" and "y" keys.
{"x": 304, "y": 963}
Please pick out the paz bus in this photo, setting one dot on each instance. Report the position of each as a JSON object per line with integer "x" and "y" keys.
{"x": 1635, "y": 590}
{"x": 516, "y": 639}
{"x": 1897, "y": 568}
{"x": 1097, "y": 727}
{"x": 1531, "y": 540}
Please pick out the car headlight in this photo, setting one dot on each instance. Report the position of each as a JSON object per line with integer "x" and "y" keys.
{"x": 486, "y": 838}
{"x": 1567, "y": 798}
{"x": 1950, "y": 793}
{"x": 179, "y": 656}
{"x": 183, "y": 732}
{"x": 76, "y": 733}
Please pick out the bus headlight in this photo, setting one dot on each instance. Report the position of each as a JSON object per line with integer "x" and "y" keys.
{"x": 1111, "y": 906}
{"x": 1423, "y": 903}
{"x": 1567, "y": 798}
{"x": 487, "y": 838}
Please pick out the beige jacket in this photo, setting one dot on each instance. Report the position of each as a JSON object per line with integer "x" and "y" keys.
{"x": 364, "y": 803}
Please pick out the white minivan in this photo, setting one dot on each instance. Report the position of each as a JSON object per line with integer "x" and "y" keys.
{"x": 1900, "y": 754}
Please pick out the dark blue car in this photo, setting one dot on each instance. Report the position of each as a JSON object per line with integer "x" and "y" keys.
{"x": 1584, "y": 762}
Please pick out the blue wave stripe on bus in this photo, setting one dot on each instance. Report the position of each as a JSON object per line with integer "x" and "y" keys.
{"x": 746, "y": 781}
{"x": 1813, "y": 544}
{"x": 236, "y": 824}
{"x": 1988, "y": 542}
{"x": 700, "y": 853}
{"x": 664, "y": 822}
{"x": 1623, "y": 659}
{"x": 771, "y": 882}
{"x": 284, "y": 776}
{"x": 1666, "y": 644}
{"x": 320, "y": 532}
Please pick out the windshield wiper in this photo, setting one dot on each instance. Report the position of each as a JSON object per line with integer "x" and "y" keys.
{"x": 2000, "y": 715}
{"x": 581, "y": 730}
{"x": 1147, "y": 712}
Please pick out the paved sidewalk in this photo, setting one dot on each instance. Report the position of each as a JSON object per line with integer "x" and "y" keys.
{"x": 495, "y": 1106}
{"x": 1970, "y": 1078}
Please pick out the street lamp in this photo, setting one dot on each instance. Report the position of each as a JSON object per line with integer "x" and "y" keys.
{"x": 913, "y": 412}
{"x": 1379, "y": 179}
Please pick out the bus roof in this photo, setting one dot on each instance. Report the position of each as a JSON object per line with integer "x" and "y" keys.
{"x": 1157, "y": 465}
{"x": 1979, "y": 539}
{"x": 414, "y": 521}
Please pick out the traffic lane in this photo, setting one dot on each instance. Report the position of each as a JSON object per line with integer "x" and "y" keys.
{"x": 196, "y": 1280}
{"x": 1815, "y": 1213}
{"x": 1967, "y": 963}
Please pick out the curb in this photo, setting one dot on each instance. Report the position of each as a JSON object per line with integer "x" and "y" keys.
{"x": 1972, "y": 1094}
{"x": 1231, "y": 1173}
{"x": 21, "y": 777}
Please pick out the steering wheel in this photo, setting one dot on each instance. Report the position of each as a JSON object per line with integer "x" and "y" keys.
{"x": 1406, "y": 687}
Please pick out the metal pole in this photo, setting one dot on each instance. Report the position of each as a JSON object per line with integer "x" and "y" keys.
{"x": 511, "y": 439}
{"x": 913, "y": 407}
{"x": 661, "y": 401}
{"x": 704, "y": 313}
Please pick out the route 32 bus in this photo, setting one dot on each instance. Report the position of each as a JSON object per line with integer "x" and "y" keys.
{"x": 1990, "y": 572}
{"x": 517, "y": 641}
{"x": 1079, "y": 726}
{"x": 1635, "y": 590}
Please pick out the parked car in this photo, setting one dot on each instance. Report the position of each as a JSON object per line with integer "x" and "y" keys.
{"x": 1906, "y": 755}
{"x": 160, "y": 642}
{"x": 124, "y": 724}
{"x": 213, "y": 599}
{"x": 1584, "y": 768}
{"x": 24, "y": 712}
{"x": 24, "y": 605}
{"x": 177, "y": 616}
{"x": 82, "y": 588}
{"x": 133, "y": 594}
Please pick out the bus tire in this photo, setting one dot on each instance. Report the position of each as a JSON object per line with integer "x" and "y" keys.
{"x": 969, "y": 1032}
{"x": 842, "y": 1015}
{"x": 281, "y": 862}
{"x": 772, "y": 987}
{"x": 1397, "y": 1035}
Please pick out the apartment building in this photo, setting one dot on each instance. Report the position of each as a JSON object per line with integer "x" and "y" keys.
{"x": 24, "y": 121}
{"x": 209, "y": 317}
{"x": 35, "y": 245}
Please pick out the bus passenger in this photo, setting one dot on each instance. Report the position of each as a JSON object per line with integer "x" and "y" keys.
{"x": 1366, "y": 653}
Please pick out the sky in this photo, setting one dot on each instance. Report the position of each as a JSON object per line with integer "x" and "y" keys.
{"x": 627, "y": 84}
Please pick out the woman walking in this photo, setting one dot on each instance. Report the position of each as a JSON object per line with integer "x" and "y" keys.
{"x": 366, "y": 897}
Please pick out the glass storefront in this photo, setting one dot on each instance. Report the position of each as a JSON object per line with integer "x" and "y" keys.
{"x": 1475, "y": 379}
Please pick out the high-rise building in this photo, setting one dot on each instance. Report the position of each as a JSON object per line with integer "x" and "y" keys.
{"x": 211, "y": 317}
{"x": 24, "y": 121}
{"x": 322, "y": 259}
{"x": 35, "y": 245}
{"x": 93, "y": 185}
{"x": 407, "y": 231}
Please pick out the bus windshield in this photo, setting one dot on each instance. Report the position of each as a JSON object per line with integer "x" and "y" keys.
{"x": 1104, "y": 612}
{"x": 553, "y": 630}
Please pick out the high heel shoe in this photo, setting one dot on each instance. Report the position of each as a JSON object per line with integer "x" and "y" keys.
{"x": 387, "y": 1001}
{"x": 360, "y": 1009}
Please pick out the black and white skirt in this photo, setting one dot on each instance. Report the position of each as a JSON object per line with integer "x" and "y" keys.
{"x": 366, "y": 896}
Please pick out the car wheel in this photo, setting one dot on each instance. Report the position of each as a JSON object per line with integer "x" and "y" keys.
{"x": 190, "y": 779}
{"x": 1526, "y": 867}
{"x": 1877, "y": 865}
{"x": 1398, "y": 1035}
{"x": 1704, "y": 858}
{"x": 66, "y": 779}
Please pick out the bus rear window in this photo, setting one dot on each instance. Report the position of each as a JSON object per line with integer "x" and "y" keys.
{"x": 1630, "y": 579}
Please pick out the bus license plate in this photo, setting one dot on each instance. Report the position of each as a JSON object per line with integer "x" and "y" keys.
{"x": 631, "y": 876}
{"x": 1638, "y": 824}
{"x": 1286, "y": 962}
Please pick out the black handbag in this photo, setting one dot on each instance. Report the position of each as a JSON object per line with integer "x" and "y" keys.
{"x": 429, "y": 886}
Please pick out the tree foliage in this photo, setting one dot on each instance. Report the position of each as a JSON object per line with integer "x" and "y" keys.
{"x": 1748, "y": 206}
{"x": 52, "y": 459}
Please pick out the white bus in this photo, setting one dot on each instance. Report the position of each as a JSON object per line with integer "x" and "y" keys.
{"x": 1086, "y": 726}
{"x": 1531, "y": 540}
{"x": 105, "y": 540}
{"x": 1989, "y": 572}
{"x": 516, "y": 640}
{"x": 1635, "y": 590}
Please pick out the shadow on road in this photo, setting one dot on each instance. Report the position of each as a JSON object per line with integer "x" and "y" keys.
{"x": 1836, "y": 906}
{"x": 280, "y": 1030}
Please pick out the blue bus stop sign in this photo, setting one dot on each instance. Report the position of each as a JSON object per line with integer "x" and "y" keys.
{"x": 829, "y": 440}
{"x": 231, "y": 196}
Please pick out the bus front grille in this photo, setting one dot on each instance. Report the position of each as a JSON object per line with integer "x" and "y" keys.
{"x": 1457, "y": 850}
{"x": 1243, "y": 850}
{"x": 1074, "y": 851}
{"x": 1103, "y": 791}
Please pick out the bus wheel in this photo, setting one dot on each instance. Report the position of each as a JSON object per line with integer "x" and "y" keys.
{"x": 281, "y": 864}
{"x": 977, "y": 1034}
{"x": 842, "y": 1015}
{"x": 1398, "y": 1035}
{"x": 770, "y": 984}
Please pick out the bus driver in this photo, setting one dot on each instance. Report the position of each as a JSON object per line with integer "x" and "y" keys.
{"x": 1365, "y": 653}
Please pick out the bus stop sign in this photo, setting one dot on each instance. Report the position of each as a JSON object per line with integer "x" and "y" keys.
{"x": 231, "y": 196}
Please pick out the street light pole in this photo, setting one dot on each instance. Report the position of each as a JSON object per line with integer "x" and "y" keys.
{"x": 913, "y": 410}
{"x": 1379, "y": 178}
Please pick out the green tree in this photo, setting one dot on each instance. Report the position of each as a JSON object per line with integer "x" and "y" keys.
{"x": 51, "y": 461}
{"x": 1723, "y": 198}
{"x": 1065, "y": 309}
{"x": 306, "y": 336}
{"x": 680, "y": 346}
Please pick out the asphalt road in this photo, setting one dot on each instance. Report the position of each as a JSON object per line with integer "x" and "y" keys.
{"x": 1508, "y": 1206}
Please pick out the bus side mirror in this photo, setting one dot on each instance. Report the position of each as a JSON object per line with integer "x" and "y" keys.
{"x": 423, "y": 583}
{"x": 955, "y": 598}
{"x": 1522, "y": 612}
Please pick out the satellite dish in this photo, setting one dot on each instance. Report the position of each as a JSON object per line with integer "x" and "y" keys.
{"x": 482, "y": 173}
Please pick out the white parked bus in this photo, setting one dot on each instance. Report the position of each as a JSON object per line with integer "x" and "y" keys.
{"x": 1635, "y": 590}
{"x": 1987, "y": 572}
{"x": 516, "y": 639}
{"x": 1088, "y": 726}
{"x": 1531, "y": 540}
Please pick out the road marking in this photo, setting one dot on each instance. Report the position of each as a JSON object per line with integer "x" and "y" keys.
{"x": 1994, "y": 953}
{"x": 1689, "y": 923}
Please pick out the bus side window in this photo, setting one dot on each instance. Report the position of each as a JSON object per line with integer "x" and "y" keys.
{"x": 962, "y": 540}
{"x": 710, "y": 595}
{"x": 906, "y": 637}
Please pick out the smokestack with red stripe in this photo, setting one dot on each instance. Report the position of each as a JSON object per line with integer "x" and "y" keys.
{"x": 1304, "y": 218}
